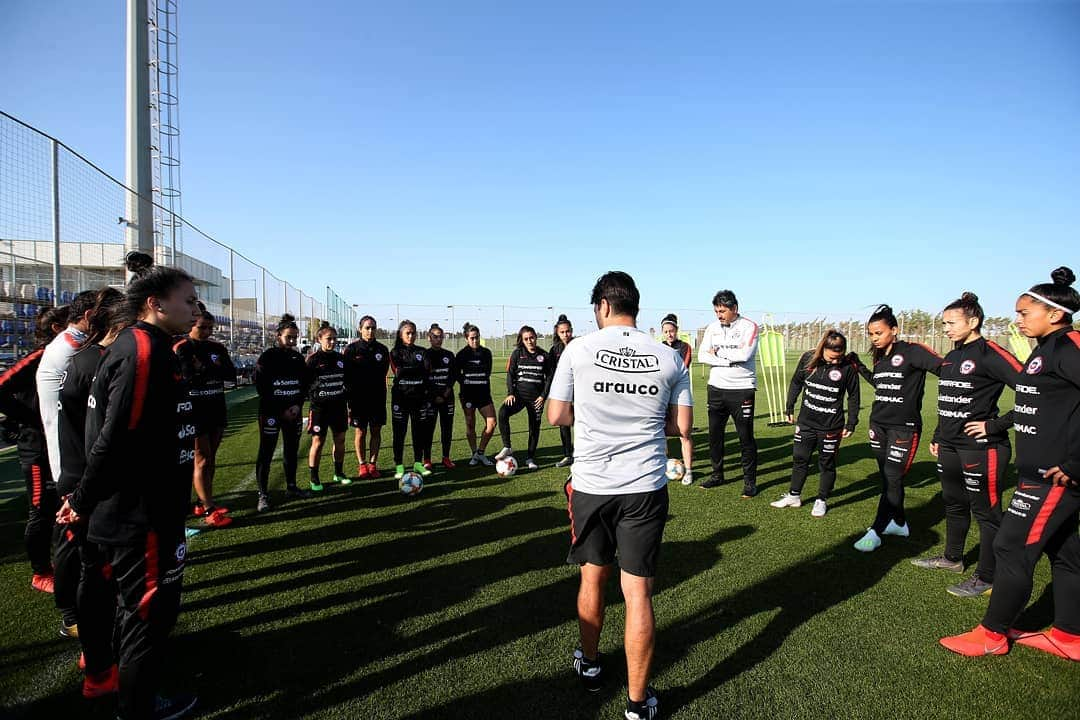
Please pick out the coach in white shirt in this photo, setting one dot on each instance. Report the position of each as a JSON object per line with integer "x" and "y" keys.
{"x": 730, "y": 347}
{"x": 624, "y": 392}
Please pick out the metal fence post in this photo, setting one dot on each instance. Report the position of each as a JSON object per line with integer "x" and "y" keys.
{"x": 232, "y": 299}
{"x": 56, "y": 220}
{"x": 264, "y": 328}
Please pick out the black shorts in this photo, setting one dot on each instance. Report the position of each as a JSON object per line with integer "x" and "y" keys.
{"x": 334, "y": 418}
{"x": 368, "y": 412}
{"x": 631, "y": 526}
{"x": 475, "y": 401}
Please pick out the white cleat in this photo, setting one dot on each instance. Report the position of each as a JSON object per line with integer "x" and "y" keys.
{"x": 504, "y": 453}
{"x": 820, "y": 508}
{"x": 893, "y": 529}
{"x": 787, "y": 500}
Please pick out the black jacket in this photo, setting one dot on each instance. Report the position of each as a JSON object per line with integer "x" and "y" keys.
{"x": 327, "y": 373}
{"x": 442, "y": 371}
{"x": 474, "y": 371}
{"x": 411, "y": 380}
{"x": 683, "y": 349}
{"x": 528, "y": 375}
{"x": 74, "y": 394}
{"x": 282, "y": 380}
{"x": 206, "y": 366}
{"x": 140, "y": 439}
{"x": 972, "y": 378}
{"x": 899, "y": 379}
{"x": 824, "y": 390}
{"x": 1047, "y": 412}
{"x": 366, "y": 365}
{"x": 19, "y": 403}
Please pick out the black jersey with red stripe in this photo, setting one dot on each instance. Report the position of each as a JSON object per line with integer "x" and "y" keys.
{"x": 899, "y": 379}
{"x": 206, "y": 366}
{"x": 366, "y": 366}
{"x": 528, "y": 374}
{"x": 971, "y": 380}
{"x": 442, "y": 370}
{"x": 823, "y": 390}
{"x": 281, "y": 379}
{"x": 683, "y": 348}
{"x": 74, "y": 394}
{"x": 1046, "y": 417}
{"x": 326, "y": 370}
{"x": 140, "y": 440}
{"x": 410, "y": 372}
{"x": 19, "y": 403}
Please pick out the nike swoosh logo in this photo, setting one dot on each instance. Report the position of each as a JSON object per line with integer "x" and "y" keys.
{"x": 1029, "y": 486}
{"x": 971, "y": 466}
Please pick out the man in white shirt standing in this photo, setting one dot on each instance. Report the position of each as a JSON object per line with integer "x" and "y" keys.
{"x": 730, "y": 347}
{"x": 624, "y": 393}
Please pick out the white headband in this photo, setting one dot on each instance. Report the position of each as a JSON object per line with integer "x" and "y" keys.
{"x": 1050, "y": 302}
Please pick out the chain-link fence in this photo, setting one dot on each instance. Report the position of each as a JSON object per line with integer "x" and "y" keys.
{"x": 62, "y": 230}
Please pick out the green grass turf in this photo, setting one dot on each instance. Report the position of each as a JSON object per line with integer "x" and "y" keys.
{"x": 364, "y": 603}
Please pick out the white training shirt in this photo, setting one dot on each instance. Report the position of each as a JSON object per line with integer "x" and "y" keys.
{"x": 734, "y": 364}
{"x": 50, "y": 379}
{"x": 621, "y": 382}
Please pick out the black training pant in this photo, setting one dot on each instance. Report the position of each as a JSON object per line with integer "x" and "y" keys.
{"x": 567, "y": 437}
{"x": 508, "y": 411}
{"x": 97, "y": 598}
{"x": 418, "y": 410}
{"x": 827, "y": 443}
{"x": 1041, "y": 518}
{"x": 739, "y": 406}
{"x": 68, "y": 569}
{"x": 41, "y": 493}
{"x": 894, "y": 448}
{"x": 972, "y": 481}
{"x": 443, "y": 414}
{"x": 269, "y": 427}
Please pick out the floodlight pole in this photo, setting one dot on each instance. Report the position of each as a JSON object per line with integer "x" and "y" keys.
{"x": 139, "y": 232}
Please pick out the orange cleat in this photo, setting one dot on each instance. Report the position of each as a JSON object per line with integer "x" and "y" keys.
{"x": 1056, "y": 642}
{"x": 44, "y": 583}
{"x": 373, "y": 472}
{"x": 977, "y": 643}
{"x": 448, "y": 463}
{"x": 101, "y": 684}
{"x": 217, "y": 519}
{"x": 82, "y": 661}
{"x": 364, "y": 472}
{"x": 199, "y": 510}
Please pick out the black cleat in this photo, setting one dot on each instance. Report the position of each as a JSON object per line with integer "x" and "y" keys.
{"x": 712, "y": 482}
{"x": 295, "y": 492}
{"x": 645, "y": 710}
{"x": 588, "y": 670}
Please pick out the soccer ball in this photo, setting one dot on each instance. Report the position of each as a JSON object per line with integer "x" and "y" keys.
{"x": 506, "y": 467}
{"x": 675, "y": 470}
{"x": 411, "y": 483}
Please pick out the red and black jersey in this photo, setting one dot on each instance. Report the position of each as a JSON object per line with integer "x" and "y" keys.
{"x": 19, "y": 403}
{"x": 899, "y": 379}
{"x": 823, "y": 391}
{"x": 74, "y": 394}
{"x": 410, "y": 372}
{"x": 366, "y": 366}
{"x": 442, "y": 370}
{"x": 281, "y": 379}
{"x": 972, "y": 378}
{"x": 1047, "y": 411}
{"x": 327, "y": 372}
{"x": 206, "y": 366}
{"x": 682, "y": 348}
{"x": 140, "y": 440}
{"x": 528, "y": 375}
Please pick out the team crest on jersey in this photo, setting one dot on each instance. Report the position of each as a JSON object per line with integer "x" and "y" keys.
{"x": 396, "y": 408}
{"x": 539, "y": 358}
{"x": 1035, "y": 366}
{"x": 181, "y": 552}
{"x": 214, "y": 358}
{"x": 271, "y": 422}
{"x": 341, "y": 363}
{"x": 378, "y": 356}
{"x": 897, "y": 360}
{"x": 468, "y": 406}
{"x": 872, "y": 434}
{"x": 419, "y": 357}
{"x": 317, "y": 429}
{"x": 967, "y": 367}
{"x": 446, "y": 361}
{"x": 835, "y": 375}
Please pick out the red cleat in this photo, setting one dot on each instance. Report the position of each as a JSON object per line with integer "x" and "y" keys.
{"x": 82, "y": 661}
{"x": 364, "y": 472}
{"x": 427, "y": 464}
{"x": 44, "y": 583}
{"x": 217, "y": 519}
{"x": 977, "y": 643}
{"x": 1056, "y": 642}
{"x": 373, "y": 472}
{"x": 448, "y": 463}
{"x": 199, "y": 510}
{"x": 101, "y": 684}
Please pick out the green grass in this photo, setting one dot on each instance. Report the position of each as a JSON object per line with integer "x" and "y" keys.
{"x": 364, "y": 603}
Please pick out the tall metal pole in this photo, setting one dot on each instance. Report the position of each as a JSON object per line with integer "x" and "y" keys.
{"x": 56, "y": 221}
{"x": 232, "y": 302}
{"x": 265, "y": 328}
{"x": 139, "y": 234}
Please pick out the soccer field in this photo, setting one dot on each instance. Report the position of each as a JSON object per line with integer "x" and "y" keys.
{"x": 363, "y": 603}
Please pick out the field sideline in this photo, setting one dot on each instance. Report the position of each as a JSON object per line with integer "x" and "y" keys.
{"x": 362, "y": 603}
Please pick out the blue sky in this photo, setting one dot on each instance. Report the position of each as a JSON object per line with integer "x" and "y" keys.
{"x": 814, "y": 157}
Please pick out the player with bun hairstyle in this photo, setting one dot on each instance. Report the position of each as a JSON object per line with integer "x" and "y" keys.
{"x": 206, "y": 367}
{"x": 329, "y": 410}
{"x": 1044, "y": 512}
{"x": 410, "y": 398}
{"x": 899, "y": 378}
{"x": 669, "y": 326}
{"x": 442, "y": 373}
{"x": 971, "y": 442}
{"x": 474, "y": 364}
{"x": 823, "y": 376}
{"x": 367, "y": 362}
{"x": 564, "y": 333}
{"x": 528, "y": 375}
{"x": 282, "y": 380}
{"x": 23, "y": 426}
{"x": 134, "y": 493}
